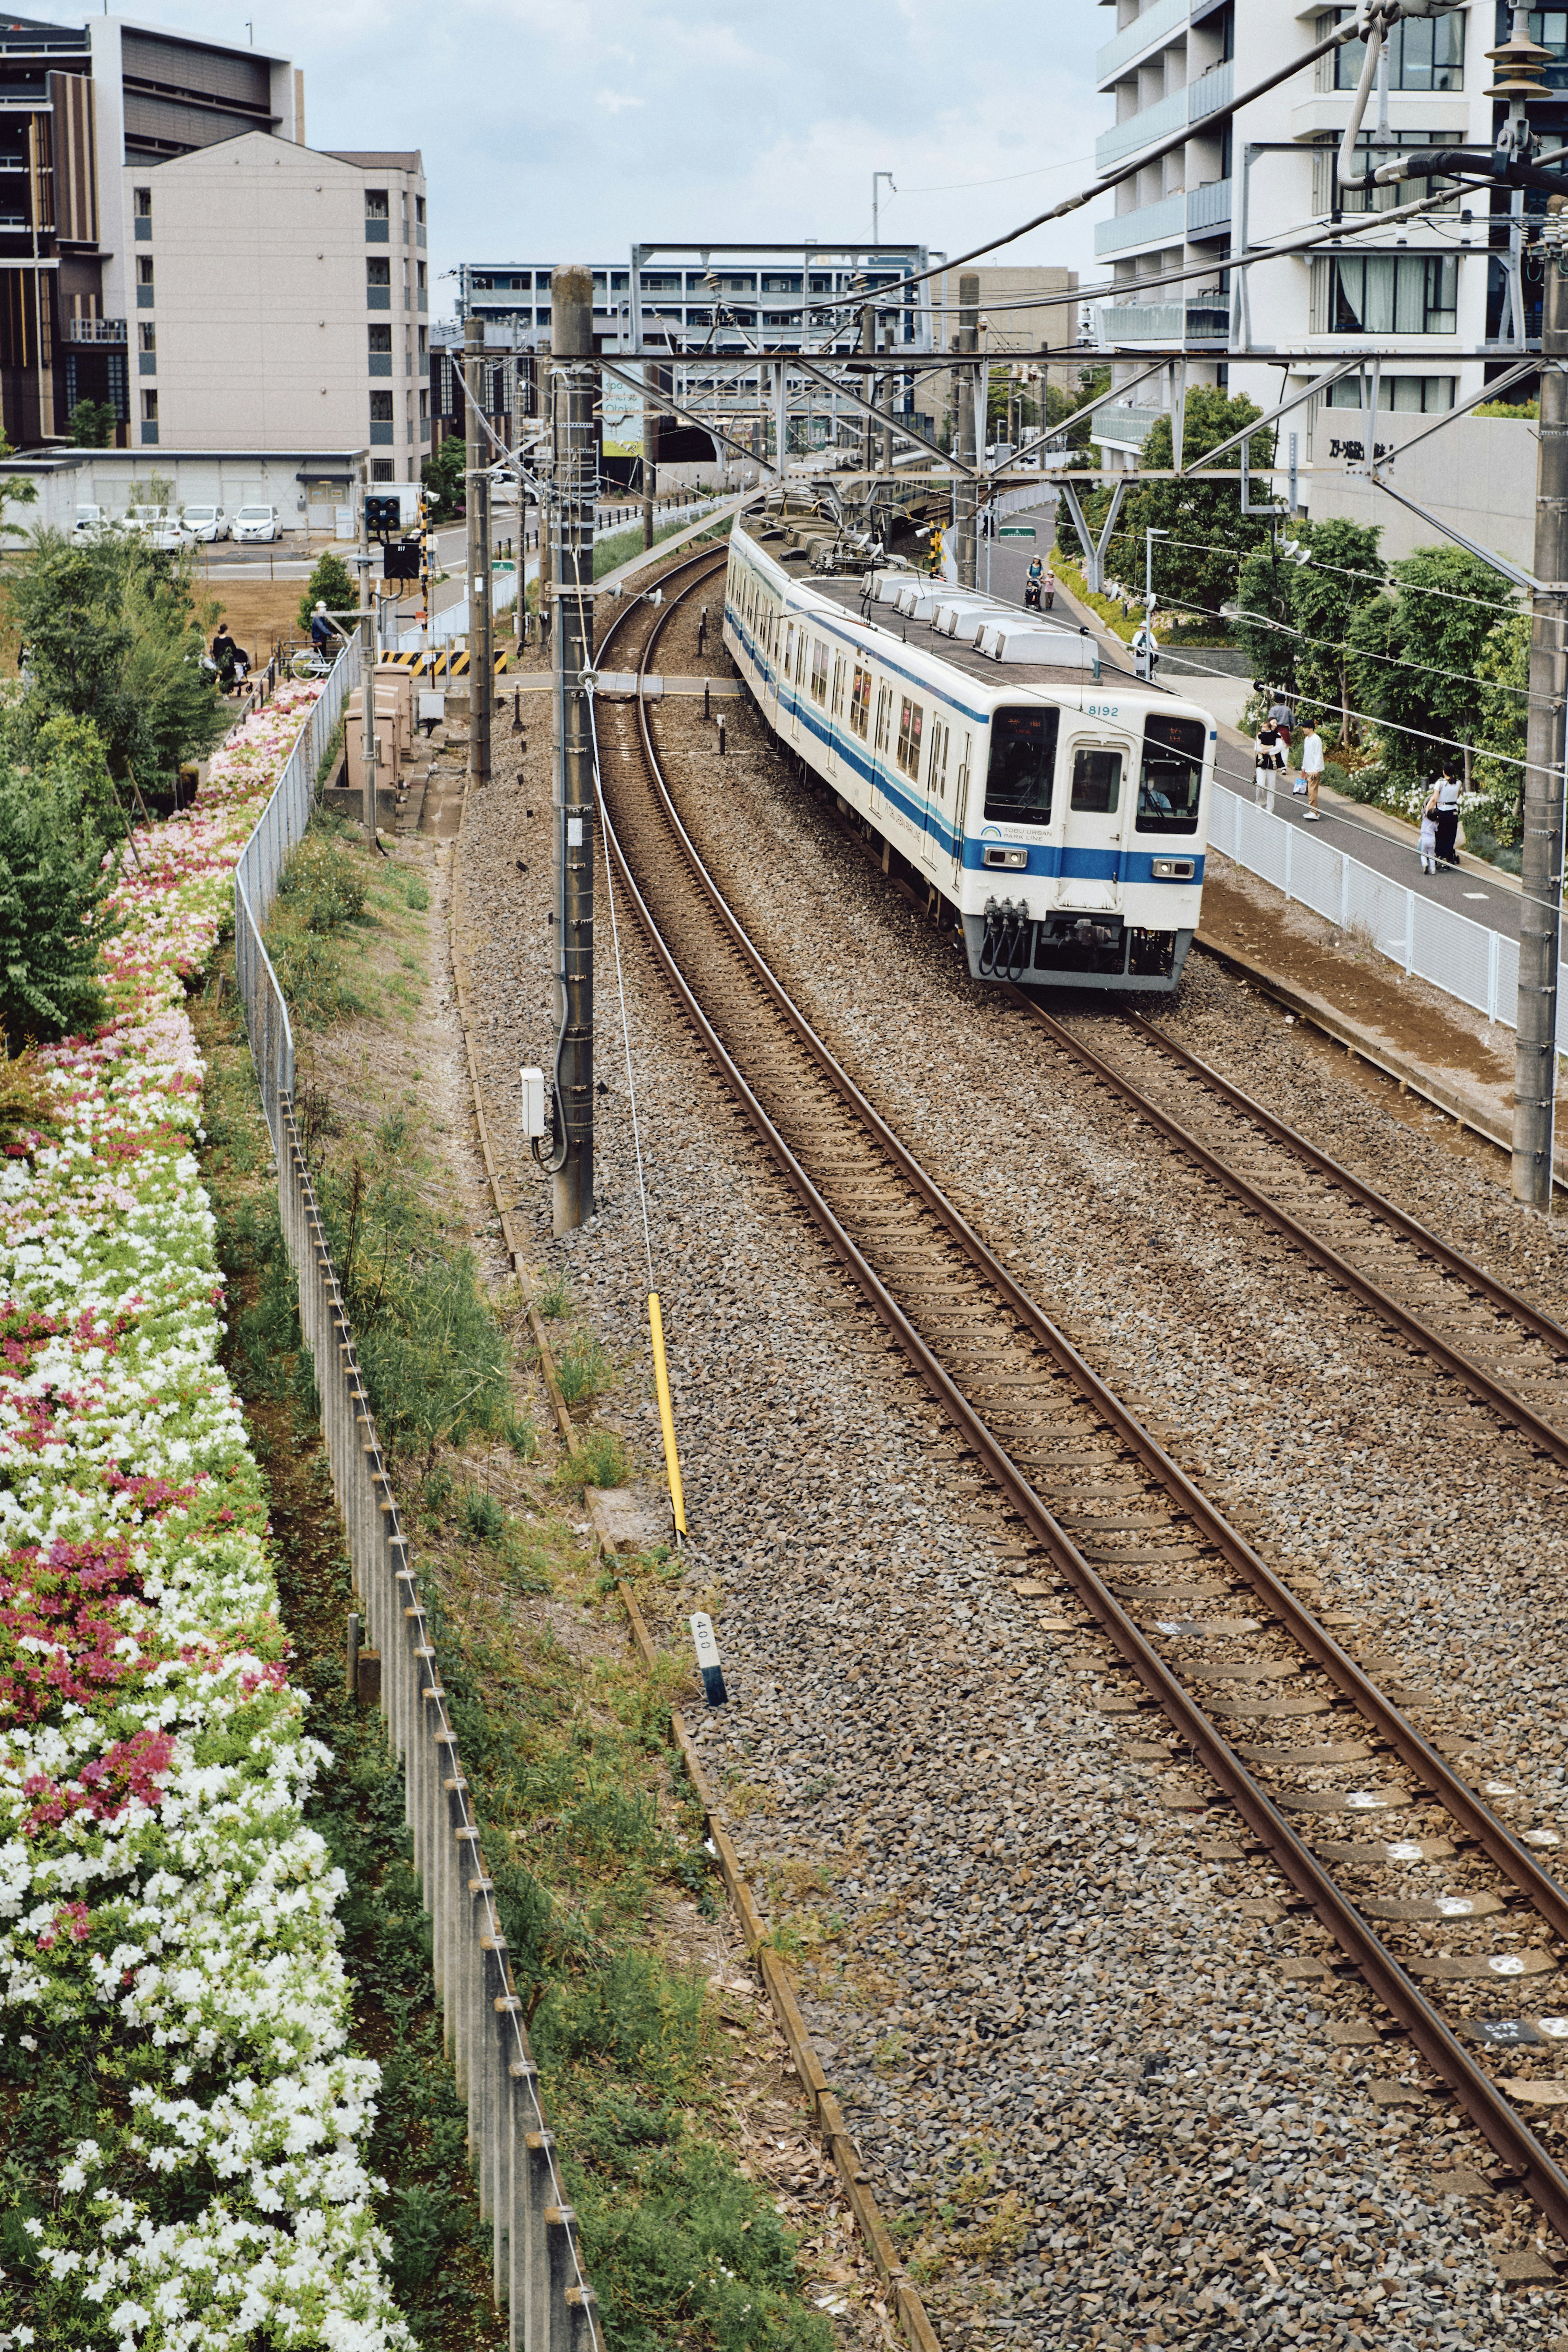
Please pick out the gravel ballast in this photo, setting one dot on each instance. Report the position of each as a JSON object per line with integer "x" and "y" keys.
{"x": 1081, "y": 2074}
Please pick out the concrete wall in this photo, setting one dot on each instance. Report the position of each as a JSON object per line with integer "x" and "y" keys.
{"x": 118, "y": 479}
{"x": 259, "y": 303}
{"x": 1477, "y": 473}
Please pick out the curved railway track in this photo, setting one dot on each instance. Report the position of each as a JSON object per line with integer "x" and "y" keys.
{"x": 1447, "y": 1904}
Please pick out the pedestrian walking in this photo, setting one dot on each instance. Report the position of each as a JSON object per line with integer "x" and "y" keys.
{"x": 1428, "y": 844}
{"x": 1146, "y": 651}
{"x": 1281, "y": 715}
{"x": 1266, "y": 766}
{"x": 222, "y": 653}
{"x": 1446, "y": 798}
{"x": 1311, "y": 771}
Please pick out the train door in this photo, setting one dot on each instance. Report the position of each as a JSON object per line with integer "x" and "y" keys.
{"x": 962, "y": 762}
{"x": 835, "y": 712}
{"x": 1102, "y": 780}
{"x": 939, "y": 783}
{"x": 879, "y": 747}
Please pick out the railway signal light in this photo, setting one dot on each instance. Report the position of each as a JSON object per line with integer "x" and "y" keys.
{"x": 382, "y": 515}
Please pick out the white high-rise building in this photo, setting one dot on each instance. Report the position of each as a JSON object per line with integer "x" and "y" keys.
{"x": 1444, "y": 284}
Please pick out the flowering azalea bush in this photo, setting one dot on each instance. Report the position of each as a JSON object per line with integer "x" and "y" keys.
{"x": 164, "y": 1907}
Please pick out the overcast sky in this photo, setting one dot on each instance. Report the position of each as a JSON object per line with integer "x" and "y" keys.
{"x": 561, "y": 129}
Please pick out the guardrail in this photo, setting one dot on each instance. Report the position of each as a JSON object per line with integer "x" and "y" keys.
{"x": 1449, "y": 951}
{"x": 535, "y": 2273}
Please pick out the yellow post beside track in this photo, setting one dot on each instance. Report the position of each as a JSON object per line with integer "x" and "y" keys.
{"x": 661, "y": 1379}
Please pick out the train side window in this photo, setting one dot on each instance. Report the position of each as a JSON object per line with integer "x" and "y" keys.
{"x": 884, "y": 712}
{"x": 837, "y": 684}
{"x": 818, "y": 670}
{"x": 860, "y": 702}
{"x": 789, "y": 649}
{"x": 800, "y": 661}
{"x": 1096, "y": 782}
{"x": 1023, "y": 766}
{"x": 911, "y": 718}
{"x": 1172, "y": 776}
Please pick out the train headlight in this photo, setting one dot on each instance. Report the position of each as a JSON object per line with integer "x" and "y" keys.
{"x": 1017, "y": 859}
{"x": 1173, "y": 869}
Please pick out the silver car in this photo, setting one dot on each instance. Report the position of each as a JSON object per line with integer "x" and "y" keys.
{"x": 204, "y": 523}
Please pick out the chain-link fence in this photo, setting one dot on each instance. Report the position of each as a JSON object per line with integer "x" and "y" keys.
{"x": 536, "y": 2272}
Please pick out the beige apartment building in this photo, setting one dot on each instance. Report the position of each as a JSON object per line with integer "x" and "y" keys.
{"x": 278, "y": 298}
{"x": 1023, "y": 309}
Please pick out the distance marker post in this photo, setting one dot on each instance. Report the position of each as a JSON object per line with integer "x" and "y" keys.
{"x": 708, "y": 1659}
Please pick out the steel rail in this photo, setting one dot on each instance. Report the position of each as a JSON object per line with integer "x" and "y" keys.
{"x": 1387, "y": 1211}
{"x": 1453, "y": 1793}
{"x": 1535, "y": 2170}
{"x": 1503, "y": 1401}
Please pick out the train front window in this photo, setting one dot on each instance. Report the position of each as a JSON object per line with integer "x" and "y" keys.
{"x": 1096, "y": 782}
{"x": 1023, "y": 764}
{"x": 1173, "y": 775}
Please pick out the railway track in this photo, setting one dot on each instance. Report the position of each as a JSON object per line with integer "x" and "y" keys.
{"x": 1437, "y": 1907}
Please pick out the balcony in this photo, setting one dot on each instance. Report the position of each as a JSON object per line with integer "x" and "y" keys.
{"x": 1208, "y": 208}
{"x": 1126, "y": 426}
{"x": 1162, "y": 224}
{"x": 381, "y": 433}
{"x": 1158, "y": 21}
{"x": 143, "y": 227}
{"x": 381, "y": 362}
{"x": 1140, "y": 130}
{"x": 95, "y": 331}
{"x": 1211, "y": 91}
{"x": 377, "y": 232}
{"x": 378, "y": 297}
{"x": 1209, "y": 95}
{"x": 1166, "y": 322}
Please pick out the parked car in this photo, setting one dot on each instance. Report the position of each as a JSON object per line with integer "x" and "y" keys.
{"x": 158, "y": 527}
{"x": 204, "y": 523}
{"x": 255, "y": 523}
{"x": 90, "y": 521}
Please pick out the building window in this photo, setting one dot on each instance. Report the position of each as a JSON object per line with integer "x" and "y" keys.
{"x": 424, "y": 287}
{"x": 380, "y": 416}
{"x": 1550, "y": 27}
{"x": 379, "y": 349}
{"x": 1394, "y": 294}
{"x": 1423, "y": 53}
{"x": 149, "y": 416}
{"x": 143, "y": 281}
{"x": 424, "y": 414}
{"x": 1328, "y": 197}
{"x": 1399, "y": 395}
{"x": 382, "y": 469}
{"x": 377, "y": 220}
{"x": 143, "y": 215}
{"x": 378, "y": 285}
{"x": 424, "y": 343}
{"x": 147, "y": 357}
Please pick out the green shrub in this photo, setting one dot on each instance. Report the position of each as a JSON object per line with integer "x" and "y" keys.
{"x": 54, "y": 920}
{"x": 324, "y": 884}
{"x": 553, "y": 1297}
{"x": 329, "y": 757}
{"x": 332, "y": 584}
{"x": 583, "y": 1368}
{"x": 414, "y": 890}
{"x": 602, "y": 1458}
{"x": 523, "y": 1437}
{"x": 482, "y": 1516}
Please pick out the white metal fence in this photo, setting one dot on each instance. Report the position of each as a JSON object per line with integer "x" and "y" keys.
{"x": 1434, "y": 943}
{"x": 536, "y": 2269}
{"x": 279, "y": 829}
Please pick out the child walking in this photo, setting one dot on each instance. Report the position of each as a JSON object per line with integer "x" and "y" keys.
{"x": 1429, "y": 836}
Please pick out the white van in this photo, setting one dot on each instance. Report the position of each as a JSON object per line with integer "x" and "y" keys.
{"x": 90, "y": 521}
{"x": 255, "y": 523}
{"x": 204, "y": 523}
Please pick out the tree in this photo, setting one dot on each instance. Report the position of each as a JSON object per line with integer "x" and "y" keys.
{"x": 1301, "y": 614}
{"x": 114, "y": 635}
{"x": 1415, "y": 656}
{"x": 1060, "y": 403}
{"x": 442, "y": 475}
{"x": 331, "y": 583}
{"x": 1502, "y": 667}
{"x": 54, "y": 889}
{"x": 91, "y": 424}
{"x": 1197, "y": 564}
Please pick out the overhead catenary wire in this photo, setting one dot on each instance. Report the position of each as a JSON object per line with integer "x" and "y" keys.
{"x": 621, "y": 989}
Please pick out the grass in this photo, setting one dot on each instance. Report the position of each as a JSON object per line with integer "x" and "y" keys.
{"x": 583, "y": 1368}
{"x": 610, "y": 553}
{"x": 566, "y": 1753}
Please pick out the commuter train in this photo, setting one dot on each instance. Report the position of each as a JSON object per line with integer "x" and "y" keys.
{"x": 1058, "y": 807}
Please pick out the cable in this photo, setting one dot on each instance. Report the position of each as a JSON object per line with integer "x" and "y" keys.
{"x": 621, "y": 987}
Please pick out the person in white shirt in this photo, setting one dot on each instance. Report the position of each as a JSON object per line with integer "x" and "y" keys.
{"x": 1311, "y": 770}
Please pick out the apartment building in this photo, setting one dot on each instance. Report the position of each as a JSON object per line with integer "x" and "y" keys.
{"x": 695, "y": 303}
{"x": 1245, "y": 174}
{"x": 171, "y": 247}
{"x": 1023, "y": 306}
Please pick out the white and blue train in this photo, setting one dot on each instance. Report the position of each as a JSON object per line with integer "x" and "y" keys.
{"x": 1059, "y": 808}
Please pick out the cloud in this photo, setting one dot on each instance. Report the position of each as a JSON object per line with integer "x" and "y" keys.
{"x": 616, "y": 101}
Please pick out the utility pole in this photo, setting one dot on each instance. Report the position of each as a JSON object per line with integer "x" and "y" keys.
{"x": 366, "y": 670}
{"x": 476, "y": 483}
{"x": 1541, "y": 915}
{"x": 889, "y": 395}
{"x": 868, "y": 345}
{"x": 576, "y": 497}
{"x": 546, "y": 381}
{"x": 964, "y": 493}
